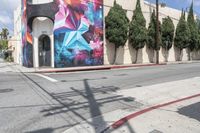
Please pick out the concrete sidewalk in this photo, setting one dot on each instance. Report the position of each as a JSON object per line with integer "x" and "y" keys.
{"x": 174, "y": 108}
{"x": 105, "y": 67}
{"x": 18, "y": 68}
{"x": 93, "y": 68}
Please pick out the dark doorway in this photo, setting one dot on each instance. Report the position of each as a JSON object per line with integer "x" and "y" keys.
{"x": 44, "y": 51}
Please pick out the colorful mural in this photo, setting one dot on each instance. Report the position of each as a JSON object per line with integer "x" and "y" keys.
{"x": 27, "y": 42}
{"x": 78, "y": 33}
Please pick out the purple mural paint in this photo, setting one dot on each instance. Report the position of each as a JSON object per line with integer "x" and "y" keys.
{"x": 78, "y": 31}
{"x": 27, "y": 43}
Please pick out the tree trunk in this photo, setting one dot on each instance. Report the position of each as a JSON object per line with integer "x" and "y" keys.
{"x": 180, "y": 54}
{"x": 166, "y": 51}
{"x": 152, "y": 57}
{"x": 115, "y": 56}
{"x": 136, "y": 57}
{"x": 189, "y": 57}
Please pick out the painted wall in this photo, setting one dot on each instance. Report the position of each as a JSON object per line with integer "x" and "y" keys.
{"x": 78, "y": 33}
{"x": 27, "y": 42}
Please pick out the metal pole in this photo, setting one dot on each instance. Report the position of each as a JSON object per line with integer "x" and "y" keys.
{"x": 157, "y": 32}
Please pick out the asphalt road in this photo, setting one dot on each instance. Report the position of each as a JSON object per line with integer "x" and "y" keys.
{"x": 30, "y": 103}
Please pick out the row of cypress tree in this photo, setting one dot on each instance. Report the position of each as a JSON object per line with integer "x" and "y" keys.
{"x": 119, "y": 30}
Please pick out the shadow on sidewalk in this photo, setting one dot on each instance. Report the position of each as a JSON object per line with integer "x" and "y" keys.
{"x": 191, "y": 111}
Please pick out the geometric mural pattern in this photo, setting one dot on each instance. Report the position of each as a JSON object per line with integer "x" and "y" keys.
{"x": 27, "y": 41}
{"x": 78, "y": 34}
{"x": 78, "y": 31}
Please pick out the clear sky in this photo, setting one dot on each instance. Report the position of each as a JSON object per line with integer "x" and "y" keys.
{"x": 7, "y": 7}
{"x": 6, "y": 13}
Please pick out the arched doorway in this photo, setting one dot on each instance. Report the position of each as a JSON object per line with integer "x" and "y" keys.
{"x": 44, "y": 50}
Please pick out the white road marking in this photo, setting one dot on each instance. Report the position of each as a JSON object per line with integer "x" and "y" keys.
{"x": 46, "y": 77}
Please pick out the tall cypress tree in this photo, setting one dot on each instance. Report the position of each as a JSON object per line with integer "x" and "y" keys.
{"x": 198, "y": 23}
{"x": 117, "y": 27}
{"x": 193, "y": 44}
{"x": 198, "y": 26}
{"x": 137, "y": 30}
{"x": 167, "y": 33}
{"x": 152, "y": 33}
{"x": 182, "y": 35}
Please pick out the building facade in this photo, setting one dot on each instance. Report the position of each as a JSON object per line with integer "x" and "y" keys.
{"x": 68, "y": 33}
{"x": 59, "y": 33}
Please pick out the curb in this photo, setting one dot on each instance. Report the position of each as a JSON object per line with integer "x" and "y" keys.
{"x": 124, "y": 120}
{"x": 55, "y": 70}
{"x": 94, "y": 68}
{"x": 183, "y": 62}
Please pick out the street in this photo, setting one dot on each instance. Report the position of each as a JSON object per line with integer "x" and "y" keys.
{"x": 58, "y": 102}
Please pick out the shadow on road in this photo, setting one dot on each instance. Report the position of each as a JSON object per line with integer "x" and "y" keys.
{"x": 86, "y": 105}
{"x": 83, "y": 104}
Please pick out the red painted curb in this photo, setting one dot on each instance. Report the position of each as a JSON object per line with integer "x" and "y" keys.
{"x": 122, "y": 121}
{"x": 96, "y": 68}
{"x": 73, "y": 70}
